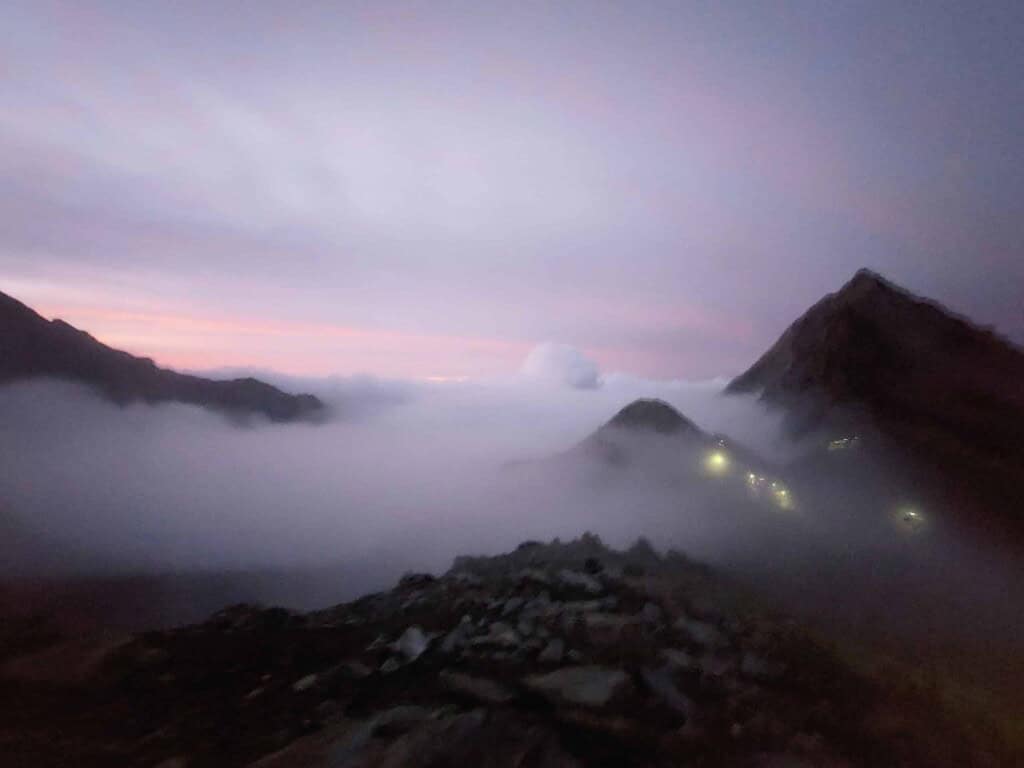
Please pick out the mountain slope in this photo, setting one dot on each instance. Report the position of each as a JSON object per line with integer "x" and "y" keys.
{"x": 652, "y": 431}
{"x": 872, "y": 356}
{"x": 31, "y": 346}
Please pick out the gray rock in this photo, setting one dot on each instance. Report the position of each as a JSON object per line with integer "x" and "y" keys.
{"x": 662, "y": 685}
{"x": 535, "y": 575}
{"x": 390, "y": 665}
{"x": 473, "y": 739}
{"x": 354, "y": 670}
{"x": 398, "y": 720}
{"x": 701, "y": 632}
{"x": 582, "y": 580}
{"x": 716, "y": 665}
{"x": 454, "y": 641}
{"x": 327, "y": 709}
{"x": 304, "y": 683}
{"x": 465, "y": 578}
{"x": 678, "y": 659}
{"x": 589, "y": 606}
{"x": 651, "y": 613}
{"x": 512, "y": 605}
{"x": 477, "y": 688}
{"x": 759, "y": 668}
{"x": 541, "y": 607}
{"x": 499, "y": 634}
{"x": 459, "y": 637}
{"x": 412, "y": 643}
{"x": 552, "y": 653}
{"x": 590, "y": 686}
{"x": 608, "y": 628}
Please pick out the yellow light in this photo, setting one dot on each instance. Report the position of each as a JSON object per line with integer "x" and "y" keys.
{"x": 782, "y": 498}
{"x": 717, "y": 462}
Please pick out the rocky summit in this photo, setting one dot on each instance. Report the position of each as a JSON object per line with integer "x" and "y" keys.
{"x": 558, "y": 654}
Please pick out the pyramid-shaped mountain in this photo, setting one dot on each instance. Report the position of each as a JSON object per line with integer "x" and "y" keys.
{"x": 942, "y": 390}
{"x": 901, "y": 359}
{"x": 652, "y": 415}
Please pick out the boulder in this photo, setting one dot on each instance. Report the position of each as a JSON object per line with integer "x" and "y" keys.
{"x": 304, "y": 683}
{"x": 661, "y": 683}
{"x": 590, "y": 686}
{"x": 412, "y": 643}
{"x": 701, "y": 632}
{"x": 553, "y": 651}
{"x": 479, "y": 689}
{"x": 581, "y": 580}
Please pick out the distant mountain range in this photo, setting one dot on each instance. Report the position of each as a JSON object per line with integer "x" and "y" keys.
{"x": 32, "y": 346}
{"x": 934, "y": 387}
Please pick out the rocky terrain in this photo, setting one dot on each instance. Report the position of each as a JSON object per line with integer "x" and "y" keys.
{"x": 560, "y": 654}
{"x": 32, "y": 347}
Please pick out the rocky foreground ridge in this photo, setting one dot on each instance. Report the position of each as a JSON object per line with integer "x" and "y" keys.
{"x": 560, "y": 654}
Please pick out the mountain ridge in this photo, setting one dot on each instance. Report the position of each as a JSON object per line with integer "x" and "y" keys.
{"x": 33, "y": 347}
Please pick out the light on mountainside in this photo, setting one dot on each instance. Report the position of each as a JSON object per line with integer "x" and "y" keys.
{"x": 910, "y": 519}
{"x": 843, "y": 443}
{"x": 717, "y": 462}
{"x": 783, "y": 498}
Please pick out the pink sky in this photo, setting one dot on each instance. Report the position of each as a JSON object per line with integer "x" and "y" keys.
{"x": 435, "y": 190}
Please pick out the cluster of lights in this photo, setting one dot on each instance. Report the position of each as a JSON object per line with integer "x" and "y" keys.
{"x": 775, "y": 490}
{"x": 843, "y": 443}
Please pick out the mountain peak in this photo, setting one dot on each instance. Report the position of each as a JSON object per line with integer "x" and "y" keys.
{"x": 866, "y": 281}
{"x": 652, "y": 415}
{"x": 914, "y": 368}
{"x": 869, "y": 328}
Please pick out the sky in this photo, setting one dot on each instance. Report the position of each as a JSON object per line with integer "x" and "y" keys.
{"x": 433, "y": 189}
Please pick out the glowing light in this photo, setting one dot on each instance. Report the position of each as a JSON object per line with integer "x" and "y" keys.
{"x": 782, "y": 496}
{"x": 843, "y": 443}
{"x": 910, "y": 519}
{"x": 717, "y": 462}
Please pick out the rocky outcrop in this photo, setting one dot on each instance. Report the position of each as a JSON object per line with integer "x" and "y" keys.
{"x": 561, "y": 654}
{"x": 33, "y": 347}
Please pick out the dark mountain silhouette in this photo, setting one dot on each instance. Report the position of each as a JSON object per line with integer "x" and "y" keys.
{"x": 945, "y": 393}
{"x": 652, "y": 442}
{"x": 655, "y": 415}
{"x": 640, "y": 428}
{"x": 32, "y": 346}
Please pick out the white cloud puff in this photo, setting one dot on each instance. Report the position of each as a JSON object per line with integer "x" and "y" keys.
{"x": 562, "y": 364}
